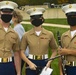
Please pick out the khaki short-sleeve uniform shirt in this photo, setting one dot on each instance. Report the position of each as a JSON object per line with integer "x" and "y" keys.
{"x": 8, "y": 41}
{"x": 69, "y": 43}
{"x": 38, "y": 45}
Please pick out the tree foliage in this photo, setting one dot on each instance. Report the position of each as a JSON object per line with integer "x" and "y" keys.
{"x": 63, "y": 1}
{"x": 20, "y": 2}
{"x": 40, "y": 2}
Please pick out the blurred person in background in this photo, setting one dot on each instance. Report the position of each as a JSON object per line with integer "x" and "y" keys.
{"x": 16, "y": 21}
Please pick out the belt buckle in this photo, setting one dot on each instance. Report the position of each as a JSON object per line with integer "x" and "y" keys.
{"x": 39, "y": 57}
{"x": 4, "y": 59}
{"x": 71, "y": 63}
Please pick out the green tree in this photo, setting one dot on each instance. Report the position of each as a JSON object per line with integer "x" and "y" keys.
{"x": 54, "y": 1}
{"x": 40, "y": 2}
{"x": 36, "y": 2}
{"x": 72, "y": 1}
{"x": 63, "y": 1}
{"x": 20, "y": 2}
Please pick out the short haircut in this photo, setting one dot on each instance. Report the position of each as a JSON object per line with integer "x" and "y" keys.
{"x": 17, "y": 14}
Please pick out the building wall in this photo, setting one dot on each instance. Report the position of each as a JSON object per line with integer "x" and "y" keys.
{"x": 48, "y": 14}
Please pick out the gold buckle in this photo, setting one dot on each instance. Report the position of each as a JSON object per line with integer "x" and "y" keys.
{"x": 68, "y": 63}
{"x": 71, "y": 63}
{"x": 4, "y": 59}
{"x": 39, "y": 57}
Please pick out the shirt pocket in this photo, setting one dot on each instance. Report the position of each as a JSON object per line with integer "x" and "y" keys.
{"x": 44, "y": 41}
{"x": 73, "y": 44}
{"x": 12, "y": 40}
{"x": 7, "y": 50}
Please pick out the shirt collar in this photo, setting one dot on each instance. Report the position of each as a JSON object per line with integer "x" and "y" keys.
{"x": 32, "y": 31}
{"x": 9, "y": 29}
{"x": 68, "y": 33}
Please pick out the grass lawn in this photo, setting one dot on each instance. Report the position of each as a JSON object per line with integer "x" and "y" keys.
{"x": 55, "y": 21}
{"x": 54, "y": 30}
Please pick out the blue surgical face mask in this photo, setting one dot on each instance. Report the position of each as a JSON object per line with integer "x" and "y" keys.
{"x": 11, "y": 22}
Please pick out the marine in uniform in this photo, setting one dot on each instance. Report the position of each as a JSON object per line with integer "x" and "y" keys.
{"x": 9, "y": 40}
{"x": 38, "y": 40}
{"x": 68, "y": 40}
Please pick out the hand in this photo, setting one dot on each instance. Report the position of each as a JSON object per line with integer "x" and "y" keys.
{"x": 48, "y": 64}
{"x": 32, "y": 66}
{"x": 61, "y": 73}
{"x": 62, "y": 51}
{"x": 18, "y": 73}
